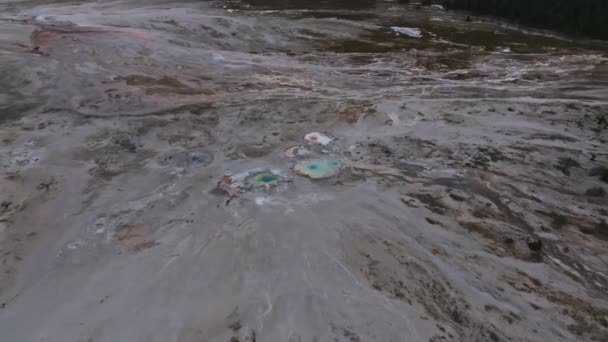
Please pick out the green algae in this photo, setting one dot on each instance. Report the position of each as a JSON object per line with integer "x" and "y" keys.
{"x": 263, "y": 179}
{"x": 318, "y": 168}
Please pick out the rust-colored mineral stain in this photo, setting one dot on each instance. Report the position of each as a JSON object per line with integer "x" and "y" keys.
{"x": 42, "y": 36}
{"x": 317, "y": 138}
{"x": 164, "y": 85}
{"x": 225, "y": 184}
{"x": 135, "y": 237}
{"x": 144, "y": 245}
{"x": 294, "y": 151}
{"x": 290, "y": 152}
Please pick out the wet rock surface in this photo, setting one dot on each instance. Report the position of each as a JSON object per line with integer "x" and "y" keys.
{"x": 465, "y": 200}
{"x": 581, "y": 17}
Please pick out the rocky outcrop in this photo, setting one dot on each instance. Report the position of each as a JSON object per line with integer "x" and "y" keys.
{"x": 587, "y": 17}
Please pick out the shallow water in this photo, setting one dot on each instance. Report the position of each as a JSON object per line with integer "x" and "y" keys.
{"x": 128, "y": 130}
